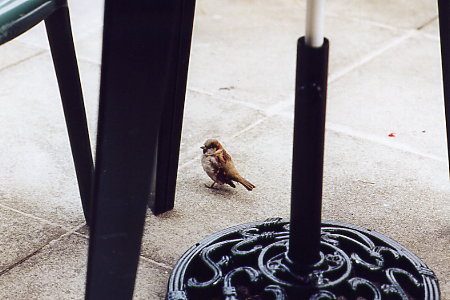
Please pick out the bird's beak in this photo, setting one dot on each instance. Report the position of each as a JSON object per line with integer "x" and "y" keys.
{"x": 203, "y": 147}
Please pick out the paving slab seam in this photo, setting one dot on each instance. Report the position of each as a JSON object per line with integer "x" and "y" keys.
{"x": 380, "y": 24}
{"x": 78, "y": 37}
{"x": 429, "y": 36}
{"x": 36, "y": 217}
{"x": 267, "y": 113}
{"x": 232, "y": 100}
{"x": 157, "y": 263}
{"x": 85, "y": 59}
{"x": 81, "y": 234}
{"x": 338, "y": 128}
{"x": 427, "y": 23}
{"x": 225, "y": 139}
{"x": 149, "y": 260}
{"x": 12, "y": 266}
{"x": 23, "y": 60}
{"x": 385, "y": 141}
{"x": 49, "y": 244}
{"x": 276, "y": 108}
{"x": 369, "y": 57}
{"x": 365, "y": 21}
{"x": 332, "y": 77}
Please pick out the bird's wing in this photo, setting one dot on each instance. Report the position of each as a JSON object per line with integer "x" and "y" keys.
{"x": 223, "y": 176}
{"x": 225, "y": 166}
{"x": 223, "y": 157}
{"x": 219, "y": 157}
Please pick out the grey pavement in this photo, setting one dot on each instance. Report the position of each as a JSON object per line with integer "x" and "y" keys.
{"x": 385, "y": 77}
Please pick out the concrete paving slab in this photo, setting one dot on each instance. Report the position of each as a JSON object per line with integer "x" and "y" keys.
{"x": 58, "y": 272}
{"x": 151, "y": 281}
{"x": 432, "y": 28}
{"x": 397, "y": 13}
{"x": 14, "y": 52}
{"x": 90, "y": 47}
{"x": 86, "y": 16}
{"x": 253, "y": 60}
{"x": 21, "y": 236}
{"x": 38, "y": 176}
{"x": 404, "y": 98}
{"x": 399, "y": 194}
{"x": 208, "y": 115}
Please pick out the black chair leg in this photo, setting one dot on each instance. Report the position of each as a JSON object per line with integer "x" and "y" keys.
{"x": 444, "y": 27}
{"x": 66, "y": 68}
{"x": 137, "y": 43}
{"x": 162, "y": 192}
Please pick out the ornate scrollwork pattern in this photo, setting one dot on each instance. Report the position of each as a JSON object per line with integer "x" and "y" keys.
{"x": 251, "y": 260}
{"x": 357, "y": 282}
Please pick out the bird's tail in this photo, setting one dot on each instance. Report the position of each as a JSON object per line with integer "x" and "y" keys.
{"x": 249, "y": 186}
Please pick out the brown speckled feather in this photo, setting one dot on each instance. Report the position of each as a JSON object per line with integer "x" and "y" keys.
{"x": 218, "y": 164}
{"x": 223, "y": 159}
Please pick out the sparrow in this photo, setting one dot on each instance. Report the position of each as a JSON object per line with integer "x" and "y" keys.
{"x": 218, "y": 164}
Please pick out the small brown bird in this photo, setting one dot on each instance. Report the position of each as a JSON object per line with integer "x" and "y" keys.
{"x": 218, "y": 164}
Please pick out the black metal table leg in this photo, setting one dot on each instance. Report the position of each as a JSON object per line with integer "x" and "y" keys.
{"x": 163, "y": 189}
{"x": 138, "y": 36}
{"x": 444, "y": 28}
{"x": 65, "y": 62}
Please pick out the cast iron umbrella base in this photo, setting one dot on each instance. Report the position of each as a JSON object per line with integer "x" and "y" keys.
{"x": 307, "y": 259}
{"x": 250, "y": 261}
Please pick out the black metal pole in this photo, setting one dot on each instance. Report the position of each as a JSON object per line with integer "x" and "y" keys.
{"x": 307, "y": 165}
{"x": 444, "y": 28}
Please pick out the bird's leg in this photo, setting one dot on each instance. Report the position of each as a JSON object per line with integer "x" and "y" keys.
{"x": 211, "y": 186}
